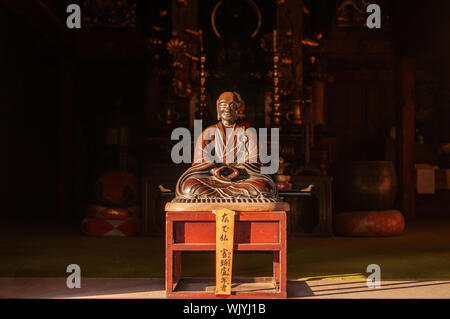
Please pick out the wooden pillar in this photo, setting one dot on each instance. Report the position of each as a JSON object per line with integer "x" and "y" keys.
{"x": 289, "y": 23}
{"x": 318, "y": 103}
{"x": 185, "y": 17}
{"x": 66, "y": 141}
{"x": 406, "y": 133}
{"x": 406, "y": 31}
{"x": 317, "y": 109}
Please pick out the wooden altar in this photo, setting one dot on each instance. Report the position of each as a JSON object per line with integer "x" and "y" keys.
{"x": 254, "y": 231}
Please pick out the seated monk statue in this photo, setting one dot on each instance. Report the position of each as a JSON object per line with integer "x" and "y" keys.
{"x": 226, "y": 160}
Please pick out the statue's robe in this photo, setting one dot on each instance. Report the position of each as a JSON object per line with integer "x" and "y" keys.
{"x": 230, "y": 170}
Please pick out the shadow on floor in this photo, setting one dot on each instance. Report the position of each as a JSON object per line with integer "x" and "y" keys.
{"x": 303, "y": 289}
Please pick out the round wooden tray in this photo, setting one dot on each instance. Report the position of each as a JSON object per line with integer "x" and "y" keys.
{"x": 232, "y": 205}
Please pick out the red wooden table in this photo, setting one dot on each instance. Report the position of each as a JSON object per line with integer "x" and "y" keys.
{"x": 254, "y": 231}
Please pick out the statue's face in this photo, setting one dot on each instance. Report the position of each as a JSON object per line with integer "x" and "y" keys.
{"x": 227, "y": 108}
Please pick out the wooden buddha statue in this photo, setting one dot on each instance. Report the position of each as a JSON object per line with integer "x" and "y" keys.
{"x": 226, "y": 161}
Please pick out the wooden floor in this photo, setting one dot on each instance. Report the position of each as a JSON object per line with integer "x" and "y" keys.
{"x": 50, "y": 288}
{"x": 44, "y": 250}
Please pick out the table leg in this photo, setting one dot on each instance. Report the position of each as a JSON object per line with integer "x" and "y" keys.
{"x": 169, "y": 256}
{"x": 276, "y": 269}
{"x": 283, "y": 257}
{"x": 177, "y": 265}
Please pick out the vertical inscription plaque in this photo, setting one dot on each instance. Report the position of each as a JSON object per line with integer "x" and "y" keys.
{"x": 224, "y": 250}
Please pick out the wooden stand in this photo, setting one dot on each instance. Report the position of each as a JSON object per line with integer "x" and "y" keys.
{"x": 254, "y": 231}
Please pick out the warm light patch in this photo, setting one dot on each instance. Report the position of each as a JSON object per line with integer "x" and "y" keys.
{"x": 355, "y": 276}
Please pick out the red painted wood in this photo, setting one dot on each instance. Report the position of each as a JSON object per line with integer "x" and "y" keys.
{"x": 169, "y": 254}
{"x": 211, "y": 295}
{"x": 238, "y": 247}
{"x": 177, "y": 264}
{"x": 240, "y": 216}
{"x": 255, "y": 231}
{"x": 235, "y": 279}
{"x": 283, "y": 257}
{"x": 276, "y": 267}
{"x": 244, "y": 232}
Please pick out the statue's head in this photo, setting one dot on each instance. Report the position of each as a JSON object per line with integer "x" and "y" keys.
{"x": 228, "y": 106}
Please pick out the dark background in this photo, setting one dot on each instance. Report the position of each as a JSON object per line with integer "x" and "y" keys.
{"x": 60, "y": 88}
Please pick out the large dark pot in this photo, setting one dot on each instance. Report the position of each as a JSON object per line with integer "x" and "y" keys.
{"x": 366, "y": 185}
